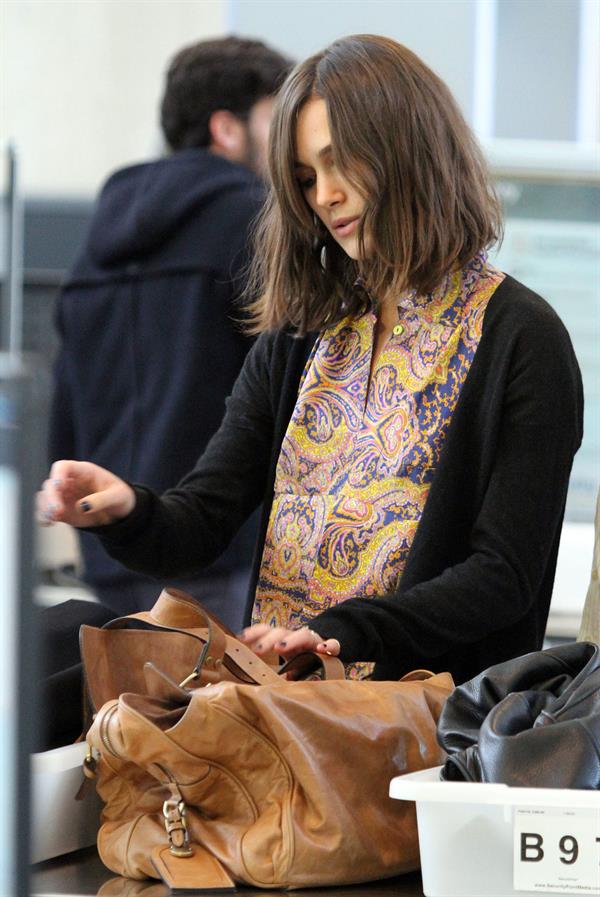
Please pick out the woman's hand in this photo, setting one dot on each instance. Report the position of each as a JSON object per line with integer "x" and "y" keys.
{"x": 83, "y": 494}
{"x": 287, "y": 642}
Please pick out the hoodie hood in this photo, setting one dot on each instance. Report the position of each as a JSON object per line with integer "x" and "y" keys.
{"x": 141, "y": 206}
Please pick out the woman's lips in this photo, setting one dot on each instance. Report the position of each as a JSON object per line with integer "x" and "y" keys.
{"x": 345, "y": 227}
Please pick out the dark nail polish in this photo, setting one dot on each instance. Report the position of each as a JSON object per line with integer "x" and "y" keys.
{"x": 259, "y": 646}
{"x": 282, "y": 644}
{"x": 85, "y": 506}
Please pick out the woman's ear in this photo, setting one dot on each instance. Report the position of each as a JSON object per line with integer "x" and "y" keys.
{"x": 228, "y": 135}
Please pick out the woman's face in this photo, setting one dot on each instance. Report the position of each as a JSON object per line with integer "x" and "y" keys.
{"x": 331, "y": 197}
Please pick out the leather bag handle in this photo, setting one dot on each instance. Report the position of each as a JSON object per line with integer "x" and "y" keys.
{"x": 176, "y": 611}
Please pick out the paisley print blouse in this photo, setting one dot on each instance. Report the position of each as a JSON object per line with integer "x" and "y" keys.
{"x": 362, "y": 448}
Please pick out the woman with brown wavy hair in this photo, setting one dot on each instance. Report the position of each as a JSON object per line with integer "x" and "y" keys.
{"x": 409, "y": 414}
{"x": 410, "y": 160}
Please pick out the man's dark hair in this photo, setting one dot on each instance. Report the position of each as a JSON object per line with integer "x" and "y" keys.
{"x": 230, "y": 73}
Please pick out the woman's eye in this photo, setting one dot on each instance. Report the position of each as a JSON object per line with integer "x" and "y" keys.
{"x": 306, "y": 183}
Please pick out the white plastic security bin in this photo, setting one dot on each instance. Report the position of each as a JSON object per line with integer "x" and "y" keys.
{"x": 60, "y": 823}
{"x": 490, "y": 840}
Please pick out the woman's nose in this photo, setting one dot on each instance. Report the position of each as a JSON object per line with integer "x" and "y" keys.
{"x": 329, "y": 193}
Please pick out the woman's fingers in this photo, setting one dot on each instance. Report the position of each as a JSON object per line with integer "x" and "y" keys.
{"x": 107, "y": 505}
{"x": 51, "y": 499}
{"x": 262, "y": 638}
{"x": 330, "y": 646}
{"x": 83, "y": 494}
{"x": 287, "y": 642}
{"x": 45, "y": 507}
{"x": 296, "y": 641}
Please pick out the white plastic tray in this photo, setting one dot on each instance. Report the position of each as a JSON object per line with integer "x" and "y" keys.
{"x": 466, "y": 831}
{"x": 61, "y": 824}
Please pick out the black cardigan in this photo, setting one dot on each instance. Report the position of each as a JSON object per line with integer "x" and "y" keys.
{"x": 478, "y": 580}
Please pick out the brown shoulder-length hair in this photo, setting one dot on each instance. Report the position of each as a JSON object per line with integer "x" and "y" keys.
{"x": 399, "y": 137}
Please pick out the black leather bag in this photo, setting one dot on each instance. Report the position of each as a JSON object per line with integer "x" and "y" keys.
{"x": 533, "y": 721}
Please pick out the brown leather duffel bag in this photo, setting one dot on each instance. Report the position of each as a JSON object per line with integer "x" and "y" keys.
{"x": 281, "y": 784}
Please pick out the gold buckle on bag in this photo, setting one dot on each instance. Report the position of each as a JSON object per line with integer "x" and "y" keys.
{"x": 174, "y": 812}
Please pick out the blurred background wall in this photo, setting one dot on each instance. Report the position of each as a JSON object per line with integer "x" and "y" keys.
{"x": 81, "y": 79}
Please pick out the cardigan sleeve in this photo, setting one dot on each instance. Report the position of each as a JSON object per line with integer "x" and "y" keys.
{"x": 516, "y": 526}
{"x": 186, "y": 528}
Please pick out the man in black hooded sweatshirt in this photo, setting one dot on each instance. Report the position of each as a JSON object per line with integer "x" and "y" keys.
{"x": 148, "y": 320}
